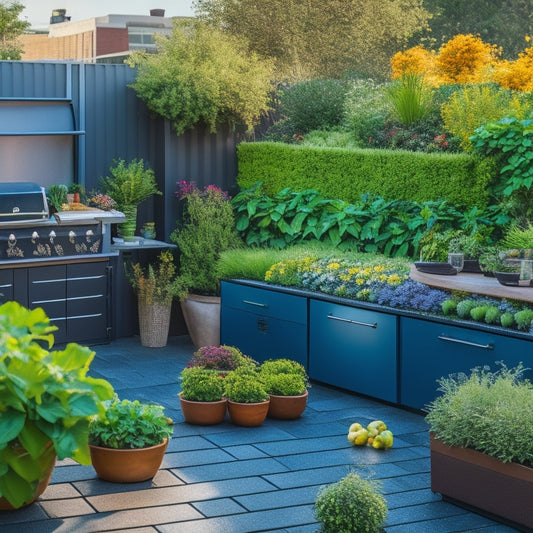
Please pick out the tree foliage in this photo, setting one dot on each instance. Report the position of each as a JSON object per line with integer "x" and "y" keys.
{"x": 10, "y": 30}
{"x": 327, "y": 39}
{"x": 203, "y": 76}
{"x": 498, "y": 21}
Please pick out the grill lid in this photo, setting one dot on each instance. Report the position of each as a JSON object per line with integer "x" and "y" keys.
{"x": 22, "y": 201}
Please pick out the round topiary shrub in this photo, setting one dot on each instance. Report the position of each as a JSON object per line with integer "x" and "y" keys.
{"x": 351, "y": 505}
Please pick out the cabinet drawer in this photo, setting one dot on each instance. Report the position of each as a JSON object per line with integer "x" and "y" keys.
{"x": 430, "y": 350}
{"x": 265, "y": 302}
{"x": 86, "y": 280}
{"x": 47, "y": 286}
{"x": 6, "y": 285}
{"x": 352, "y": 348}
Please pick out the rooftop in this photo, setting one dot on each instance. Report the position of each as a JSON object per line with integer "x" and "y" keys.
{"x": 230, "y": 479}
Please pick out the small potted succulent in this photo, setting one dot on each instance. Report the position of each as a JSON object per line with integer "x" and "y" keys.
{"x": 129, "y": 441}
{"x": 47, "y": 400}
{"x": 201, "y": 396}
{"x": 481, "y": 433}
{"x": 286, "y": 383}
{"x": 351, "y": 504}
{"x": 248, "y": 400}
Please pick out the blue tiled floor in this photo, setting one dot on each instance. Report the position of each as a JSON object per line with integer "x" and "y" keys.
{"x": 229, "y": 479}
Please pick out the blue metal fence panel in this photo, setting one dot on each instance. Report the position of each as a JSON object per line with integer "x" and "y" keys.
{"x": 21, "y": 79}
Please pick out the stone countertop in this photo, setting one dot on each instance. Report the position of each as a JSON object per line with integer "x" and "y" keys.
{"x": 473, "y": 283}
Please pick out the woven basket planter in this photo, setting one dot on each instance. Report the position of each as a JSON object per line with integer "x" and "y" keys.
{"x": 154, "y": 322}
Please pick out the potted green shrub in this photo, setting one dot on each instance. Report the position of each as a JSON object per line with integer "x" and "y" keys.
{"x": 206, "y": 228}
{"x": 481, "y": 433}
{"x": 220, "y": 358}
{"x": 248, "y": 400}
{"x": 129, "y": 185}
{"x": 56, "y": 196}
{"x": 128, "y": 441}
{"x": 156, "y": 287}
{"x": 201, "y": 396}
{"x": 47, "y": 400}
{"x": 286, "y": 383}
{"x": 472, "y": 247}
{"x": 349, "y": 505}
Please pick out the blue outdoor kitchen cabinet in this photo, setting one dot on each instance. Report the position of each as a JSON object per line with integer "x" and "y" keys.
{"x": 431, "y": 350}
{"x": 353, "y": 348}
{"x": 263, "y": 323}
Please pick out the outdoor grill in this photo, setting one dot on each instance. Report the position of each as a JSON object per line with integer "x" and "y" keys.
{"x": 28, "y": 231}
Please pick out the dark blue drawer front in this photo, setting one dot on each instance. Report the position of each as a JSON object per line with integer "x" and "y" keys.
{"x": 430, "y": 350}
{"x": 354, "y": 349}
{"x": 265, "y": 302}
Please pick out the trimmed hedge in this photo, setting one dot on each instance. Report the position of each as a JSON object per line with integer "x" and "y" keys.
{"x": 461, "y": 179}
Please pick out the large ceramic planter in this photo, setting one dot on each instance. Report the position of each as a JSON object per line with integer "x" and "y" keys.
{"x": 466, "y": 476}
{"x": 47, "y": 462}
{"x": 248, "y": 414}
{"x": 203, "y": 413}
{"x": 154, "y": 322}
{"x": 202, "y": 316}
{"x": 287, "y": 407}
{"x": 127, "y": 466}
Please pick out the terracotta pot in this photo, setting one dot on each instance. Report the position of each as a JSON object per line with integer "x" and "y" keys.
{"x": 202, "y": 316}
{"x": 471, "y": 478}
{"x": 248, "y": 414}
{"x": 48, "y": 462}
{"x": 127, "y": 466}
{"x": 203, "y": 413}
{"x": 287, "y": 407}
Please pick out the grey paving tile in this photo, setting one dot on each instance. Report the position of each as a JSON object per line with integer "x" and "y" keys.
{"x": 425, "y": 511}
{"x": 59, "y": 491}
{"x": 298, "y": 446}
{"x": 314, "y": 428}
{"x": 245, "y": 452}
{"x": 407, "y": 482}
{"x": 196, "y": 457}
{"x": 467, "y": 522}
{"x": 411, "y": 497}
{"x": 219, "y": 507}
{"x": 248, "y": 468}
{"x": 236, "y": 436}
{"x": 183, "y": 444}
{"x": 279, "y": 498}
{"x": 247, "y": 522}
{"x": 305, "y": 478}
{"x": 28, "y": 514}
{"x": 196, "y": 492}
{"x": 67, "y": 474}
{"x": 64, "y": 508}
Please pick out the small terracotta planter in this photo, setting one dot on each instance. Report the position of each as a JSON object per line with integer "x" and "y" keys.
{"x": 248, "y": 414}
{"x": 127, "y": 466}
{"x": 203, "y": 413}
{"x": 477, "y": 480}
{"x": 287, "y": 407}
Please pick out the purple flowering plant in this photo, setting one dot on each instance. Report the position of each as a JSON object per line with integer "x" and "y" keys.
{"x": 222, "y": 358}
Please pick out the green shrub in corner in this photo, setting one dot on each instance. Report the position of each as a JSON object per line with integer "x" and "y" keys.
{"x": 347, "y": 174}
{"x": 44, "y": 396}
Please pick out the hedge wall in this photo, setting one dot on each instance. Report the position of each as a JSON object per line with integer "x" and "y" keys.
{"x": 463, "y": 180}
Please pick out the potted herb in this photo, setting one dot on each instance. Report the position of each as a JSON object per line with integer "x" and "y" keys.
{"x": 77, "y": 190}
{"x": 129, "y": 185}
{"x": 47, "y": 400}
{"x": 248, "y": 400}
{"x": 481, "y": 434}
{"x": 155, "y": 287}
{"x": 201, "y": 396}
{"x": 206, "y": 228}
{"x": 129, "y": 440}
{"x": 286, "y": 383}
{"x": 56, "y": 196}
{"x": 472, "y": 247}
{"x": 221, "y": 358}
{"x": 351, "y": 504}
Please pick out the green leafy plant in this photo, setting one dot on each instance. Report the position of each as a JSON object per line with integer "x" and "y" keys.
{"x": 351, "y": 504}
{"x": 284, "y": 377}
{"x": 487, "y": 411}
{"x": 45, "y": 396}
{"x": 206, "y": 229}
{"x": 129, "y": 183}
{"x": 203, "y": 76}
{"x": 201, "y": 385}
{"x": 471, "y": 246}
{"x": 156, "y": 284}
{"x": 77, "y": 188}
{"x": 511, "y": 141}
{"x": 56, "y": 196}
{"x": 245, "y": 385}
{"x": 411, "y": 98}
{"x": 519, "y": 237}
{"x": 130, "y": 425}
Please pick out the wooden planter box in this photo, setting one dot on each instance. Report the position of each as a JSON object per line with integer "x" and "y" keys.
{"x": 503, "y": 490}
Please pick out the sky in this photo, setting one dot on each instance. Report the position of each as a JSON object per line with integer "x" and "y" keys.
{"x": 38, "y": 12}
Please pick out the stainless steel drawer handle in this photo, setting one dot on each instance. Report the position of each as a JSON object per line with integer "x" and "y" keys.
{"x": 356, "y": 322}
{"x": 257, "y": 304}
{"x": 488, "y": 346}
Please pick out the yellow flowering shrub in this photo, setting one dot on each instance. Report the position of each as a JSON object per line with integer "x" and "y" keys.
{"x": 517, "y": 74}
{"x": 415, "y": 60}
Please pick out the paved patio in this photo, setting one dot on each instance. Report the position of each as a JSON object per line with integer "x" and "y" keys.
{"x": 228, "y": 479}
